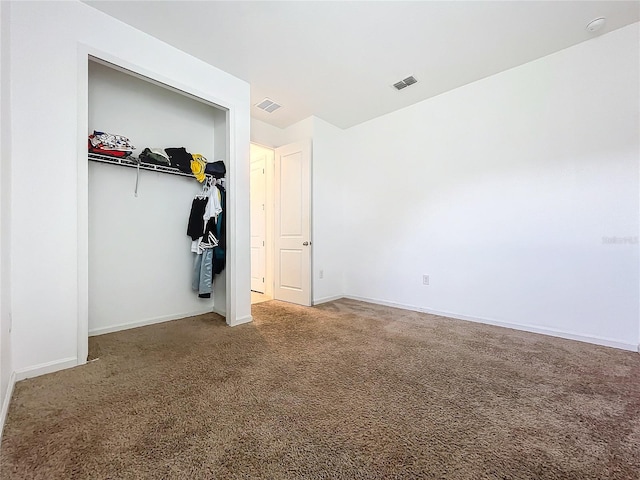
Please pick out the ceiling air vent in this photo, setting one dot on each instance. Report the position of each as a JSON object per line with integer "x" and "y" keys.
{"x": 405, "y": 83}
{"x": 268, "y": 105}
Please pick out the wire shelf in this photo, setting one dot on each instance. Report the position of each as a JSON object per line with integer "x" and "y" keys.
{"x": 133, "y": 162}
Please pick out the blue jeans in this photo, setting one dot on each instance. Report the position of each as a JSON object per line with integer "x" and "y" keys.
{"x": 202, "y": 278}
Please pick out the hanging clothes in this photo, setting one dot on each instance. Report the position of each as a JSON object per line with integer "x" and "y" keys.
{"x": 210, "y": 237}
{"x": 204, "y": 232}
{"x": 196, "y": 217}
{"x": 219, "y": 257}
{"x": 211, "y": 212}
{"x": 202, "y": 276}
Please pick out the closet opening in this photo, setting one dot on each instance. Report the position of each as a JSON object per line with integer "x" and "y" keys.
{"x": 140, "y": 258}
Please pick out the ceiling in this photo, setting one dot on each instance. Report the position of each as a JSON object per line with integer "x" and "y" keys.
{"x": 339, "y": 60}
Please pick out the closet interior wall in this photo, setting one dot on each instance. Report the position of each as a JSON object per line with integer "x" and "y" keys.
{"x": 140, "y": 263}
{"x": 221, "y": 152}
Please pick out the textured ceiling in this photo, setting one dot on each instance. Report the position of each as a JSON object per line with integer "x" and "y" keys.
{"x": 338, "y": 60}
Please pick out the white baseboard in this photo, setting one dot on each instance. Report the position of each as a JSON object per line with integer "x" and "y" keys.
{"x": 148, "y": 321}
{"x": 44, "y": 368}
{"x": 318, "y": 301}
{"x": 220, "y": 312}
{"x": 607, "y": 342}
{"x": 6, "y": 401}
{"x": 240, "y": 321}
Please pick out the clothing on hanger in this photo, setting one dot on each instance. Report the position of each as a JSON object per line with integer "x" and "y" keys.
{"x": 196, "y": 224}
{"x": 202, "y": 276}
{"x": 219, "y": 259}
{"x": 208, "y": 224}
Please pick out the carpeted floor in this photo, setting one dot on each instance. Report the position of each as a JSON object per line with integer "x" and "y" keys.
{"x": 347, "y": 390}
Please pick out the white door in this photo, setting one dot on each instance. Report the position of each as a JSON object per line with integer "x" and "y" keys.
{"x": 258, "y": 223}
{"x": 293, "y": 223}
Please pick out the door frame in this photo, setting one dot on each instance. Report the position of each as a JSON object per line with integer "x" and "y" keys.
{"x": 235, "y": 299}
{"x": 269, "y": 280}
{"x": 270, "y": 219}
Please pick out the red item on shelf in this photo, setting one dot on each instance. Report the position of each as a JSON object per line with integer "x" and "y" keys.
{"x": 110, "y": 153}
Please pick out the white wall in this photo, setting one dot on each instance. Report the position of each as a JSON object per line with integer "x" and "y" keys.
{"x": 502, "y": 192}
{"x": 328, "y": 211}
{"x": 300, "y": 131}
{"x": 5, "y": 216}
{"x": 49, "y": 191}
{"x": 151, "y": 115}
{"x": 264, "y": 134}
{"x": 139, "y": 252}
{"x": 269, "y": 136}
{"x": 221, "y": 152}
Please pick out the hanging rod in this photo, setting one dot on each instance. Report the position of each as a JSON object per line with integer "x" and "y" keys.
{"x": 133, "y": 162}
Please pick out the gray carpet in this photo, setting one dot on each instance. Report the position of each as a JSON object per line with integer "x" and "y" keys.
{"x": 347, "y": 390}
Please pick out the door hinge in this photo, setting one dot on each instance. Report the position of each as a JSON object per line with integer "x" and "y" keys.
{"x": 262, "y": 279}
{"x": 263, "y": 243}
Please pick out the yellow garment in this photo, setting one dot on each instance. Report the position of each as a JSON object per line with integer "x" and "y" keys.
{"x": 198, "y": 164}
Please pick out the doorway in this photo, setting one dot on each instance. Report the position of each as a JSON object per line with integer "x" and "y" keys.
{"x": 280, "y": 209}
{"x": 262, "y": 214}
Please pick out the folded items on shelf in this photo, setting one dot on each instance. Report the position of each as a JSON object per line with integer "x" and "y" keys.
{"x": 155, "y": 156}
{"x": 198, "y": 165}
{"x": 180, "y": 158}
{"x": 216, "y": 169}
{"x": 111, "y": 144}
{"x": 109, "y": 153}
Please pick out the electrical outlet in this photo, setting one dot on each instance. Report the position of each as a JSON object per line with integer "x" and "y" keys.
{"x": 321, "y": 274}
{"x": 425, "y": 279}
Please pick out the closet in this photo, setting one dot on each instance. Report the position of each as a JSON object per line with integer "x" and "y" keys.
{"x": 140, "y": 261}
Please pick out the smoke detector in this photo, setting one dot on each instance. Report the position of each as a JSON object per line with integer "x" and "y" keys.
{"x": 268, "y": 105}
{"x": 405, "y": 83}
{"x": 597, "y": 24}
